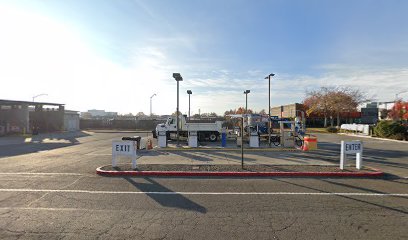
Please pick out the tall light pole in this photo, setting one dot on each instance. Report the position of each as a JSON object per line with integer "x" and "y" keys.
{"x": 246, "y": 100}
{"x": 151, "y": 104}
{"x": 42, "y": 94}
{"x": 189, "y": 92}
{"x": 269, "y": 107}
{"x": 178, "y": 78}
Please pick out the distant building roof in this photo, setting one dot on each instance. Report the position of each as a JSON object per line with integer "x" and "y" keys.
{"x": 71, "y": 112}
{"x": 13, "y": 102}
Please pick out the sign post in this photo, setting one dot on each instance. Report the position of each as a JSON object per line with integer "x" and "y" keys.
{"x": 125, "y": 148}
{"x": 351, "y": 147}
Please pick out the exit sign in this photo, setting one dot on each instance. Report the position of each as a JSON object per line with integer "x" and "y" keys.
{"x": 125, "y": 148}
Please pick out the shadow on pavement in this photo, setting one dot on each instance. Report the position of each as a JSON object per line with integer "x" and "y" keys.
{"x": 14, "y": 146}
{"x": 348, "y": 197}
{"x": 15, "y": 150}
{"x": 171, "y": 200}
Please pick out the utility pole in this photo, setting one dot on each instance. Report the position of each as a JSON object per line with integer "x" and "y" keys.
{"x": 151, "y": 114}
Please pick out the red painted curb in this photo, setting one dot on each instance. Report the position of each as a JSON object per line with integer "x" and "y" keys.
{"x": 238, "y": 174}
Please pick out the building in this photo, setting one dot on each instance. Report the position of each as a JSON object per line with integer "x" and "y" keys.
{"x": 370, "y": 113}
{"x": 288, "y": 111}
{"x": 20, "y": 117}
{"x": 101, "y": 113}
{"x": 71, "y": 121}
{"x": 314, "y": 119}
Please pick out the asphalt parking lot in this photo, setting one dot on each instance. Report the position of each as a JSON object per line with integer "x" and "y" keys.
{"x": 49, "y": 190}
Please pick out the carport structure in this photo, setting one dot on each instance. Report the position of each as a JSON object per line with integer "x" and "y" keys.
{"x": 24, "y": 117}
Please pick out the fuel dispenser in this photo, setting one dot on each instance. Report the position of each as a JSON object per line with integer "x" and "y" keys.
{"x": 287, "y": 135}
{"x": 192, "y": 139}
{"x": 254, "y": 139}
{"x": 162, "y": 139}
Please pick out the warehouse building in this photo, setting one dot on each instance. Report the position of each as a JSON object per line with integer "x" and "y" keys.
{"x": 20, "y": 117}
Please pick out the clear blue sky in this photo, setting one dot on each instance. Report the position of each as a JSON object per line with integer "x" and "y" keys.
{"x": 114, "y": 55}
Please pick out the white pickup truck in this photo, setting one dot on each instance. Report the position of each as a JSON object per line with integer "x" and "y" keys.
{"x": 204, "y": 130}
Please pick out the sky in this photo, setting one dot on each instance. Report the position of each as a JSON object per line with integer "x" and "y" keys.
{"x": 114, "y": 55}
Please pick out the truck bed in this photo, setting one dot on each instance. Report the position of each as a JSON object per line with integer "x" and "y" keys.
{"x": 213, "y": 127}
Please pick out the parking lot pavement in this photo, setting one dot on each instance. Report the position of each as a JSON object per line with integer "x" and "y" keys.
{"x": 51, "y": 191}
{"x": 84, "y": 206}
{"x": 86, "y": 153}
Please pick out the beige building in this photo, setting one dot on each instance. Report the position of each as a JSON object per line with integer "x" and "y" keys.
{"x": 287, "y": 111}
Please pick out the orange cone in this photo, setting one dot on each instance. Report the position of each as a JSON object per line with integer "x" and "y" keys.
{"x": 149, "y": 144}
{"x": 305, "y": 147}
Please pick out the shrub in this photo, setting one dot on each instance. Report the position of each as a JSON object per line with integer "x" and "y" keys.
{"x": 332, "y": 129}
{"x": 390, "y": 129}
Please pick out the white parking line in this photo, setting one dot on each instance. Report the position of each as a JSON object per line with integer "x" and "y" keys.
{"x": 208, "y": 193}
{"x": 32, "y": 173}
{"x": 98, "y": 154}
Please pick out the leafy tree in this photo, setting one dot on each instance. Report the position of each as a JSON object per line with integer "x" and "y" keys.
{"x": 331, "y": 101}
{"x": 390, "y": 129}
{"x": 240, "y": 110}
{"x": 262, "y": 112}
{"x": 344, "y": 99}
{"x": 399, "y": 111}
{"x": 228, "y": 112}
{"x": 317, "y": 101}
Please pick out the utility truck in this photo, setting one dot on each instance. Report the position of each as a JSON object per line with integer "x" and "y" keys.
{"x": 204, "y": 130}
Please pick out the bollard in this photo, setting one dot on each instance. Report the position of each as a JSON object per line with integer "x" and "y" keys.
{"x": 223, "y": 138}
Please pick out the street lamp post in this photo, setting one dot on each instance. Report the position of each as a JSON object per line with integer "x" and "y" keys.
{"x": 151, "y": 113}
{"x": 269, "y": 107}
{"x": 246, "y": 100}
{"x": 189, "y": 92}
{"x": 178, "y": 78}
{"x": 246, "y": 111}
{"x": 42, "y": 94}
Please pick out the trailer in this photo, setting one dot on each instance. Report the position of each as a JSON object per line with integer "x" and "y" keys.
{"x": 204, "y": 131}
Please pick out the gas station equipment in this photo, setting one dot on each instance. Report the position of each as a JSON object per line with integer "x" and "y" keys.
{"x": 162, "y": 139}
{"x": 192, "y": 139}
{"x": 254, "y": 139}
{"x": 287, "y": 135}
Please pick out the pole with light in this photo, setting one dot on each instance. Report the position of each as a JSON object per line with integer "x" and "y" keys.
{"x": 246, "y": 100}
{"x": 189, "y": 92}
{"x": 42, "y": 94}
{"x": 178, "y": 78}
{"x": 269, "y": 107}
{"x": 151, "y": 113}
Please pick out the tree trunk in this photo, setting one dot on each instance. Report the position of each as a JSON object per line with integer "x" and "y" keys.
{"x": 325, "y": 121}
{"x": 331, "y": 121}
{"x": 338, "y": 119}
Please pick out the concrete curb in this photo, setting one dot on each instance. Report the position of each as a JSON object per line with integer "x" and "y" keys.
{"x": 229, "y": 149}
{"x": 99, "y": 171}
{"x": 375, "y": 138}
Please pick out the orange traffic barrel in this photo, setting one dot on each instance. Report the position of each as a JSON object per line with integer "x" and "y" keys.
{"x": 310, "y": 143}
